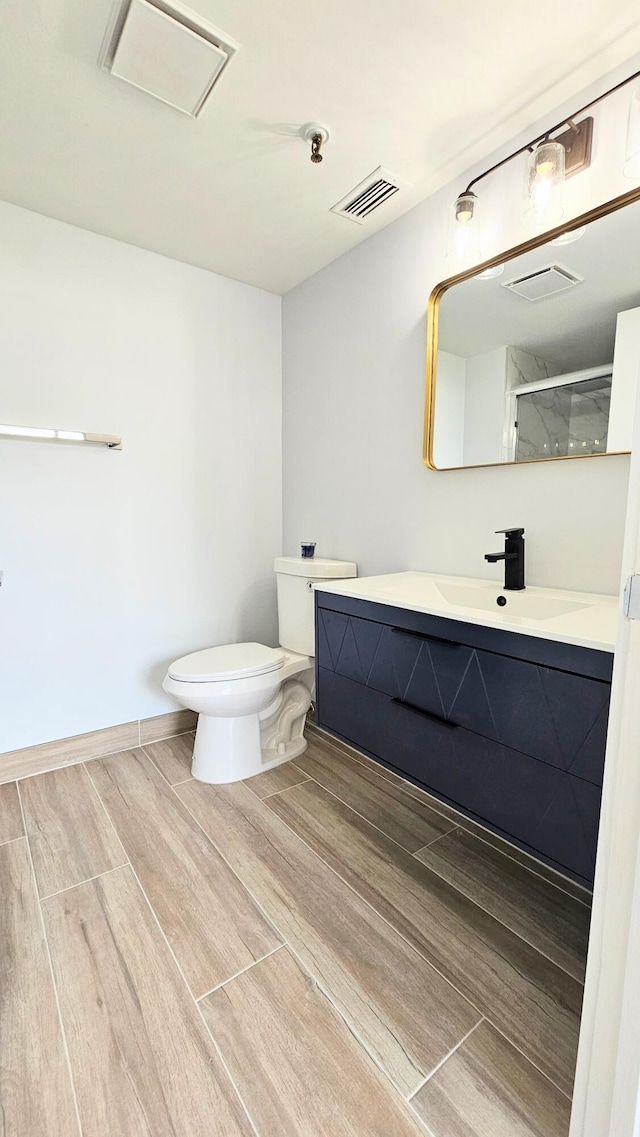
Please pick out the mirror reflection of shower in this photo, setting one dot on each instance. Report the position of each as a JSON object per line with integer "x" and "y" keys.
{"x": 566, "y": 417}
{"x": 542, "y": 361}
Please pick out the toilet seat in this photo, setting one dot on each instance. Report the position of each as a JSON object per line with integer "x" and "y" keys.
{"x": 226, "y": 663}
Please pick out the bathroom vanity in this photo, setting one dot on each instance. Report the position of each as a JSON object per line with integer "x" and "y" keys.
{"x": 496, "y": 703}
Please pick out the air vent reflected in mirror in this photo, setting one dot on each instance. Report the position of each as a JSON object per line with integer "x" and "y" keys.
{"x": 545, "y": 281}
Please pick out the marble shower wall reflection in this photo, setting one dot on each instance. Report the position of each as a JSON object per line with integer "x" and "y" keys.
{"x": 563, "y": 421}
{"x": 541, "y": 360}
{"x": 525, "y": 367}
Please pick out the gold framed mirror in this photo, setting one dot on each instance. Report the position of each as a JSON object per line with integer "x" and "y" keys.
{"x": 534, "y": 355}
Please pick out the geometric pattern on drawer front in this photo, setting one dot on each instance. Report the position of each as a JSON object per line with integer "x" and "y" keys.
{"x": 345, "y": 645}
{"x": 358, "y": 713}
{"x": 551, "y": 715}
{"x": 544, "y": 807}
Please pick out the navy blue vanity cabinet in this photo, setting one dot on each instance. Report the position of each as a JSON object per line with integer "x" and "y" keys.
{"x": 509, "y": 728}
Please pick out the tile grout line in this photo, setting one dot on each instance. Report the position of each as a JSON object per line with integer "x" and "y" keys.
{"x": 420, "y": 954}
{"x": 304, "y": 778}
{"x": 388, "y": 922}
{"x": 174, "y": 958}
{"x": 446, "y": 1058}
{"x": 195, "y": 1002}
{"x": 417, "y": 852}
{"x": 150, "y": 759}
{"x": 373, "y": 825}
{"x": 243, "y": 970}
{"x": 463, "y": 823}
{"x": 63, "y": 765}
{"x": 56, "y": 996}
{"x": 493, "y": 916}
{"x": 468, "y": 824}
{"x": 430, "y": 868}
{"x": 90, "y": 758}
{"x": 143, "y": 746}
{"x": 319, "y": 983}
{"x": 11, "y": 840}
{"x": 522, "y": 864}
{"x": 499, "y": 1030}
{"x": 94, "y": 791}
{"x": 269, "y": 922}
{"x": 87, "y": 880}
{"x": 369, "y": 905}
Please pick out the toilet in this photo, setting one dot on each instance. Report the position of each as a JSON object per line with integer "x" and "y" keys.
{"x": 252, "y": 700}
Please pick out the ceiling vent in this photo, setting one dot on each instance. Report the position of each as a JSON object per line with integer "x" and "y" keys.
{"x": 373, "y": 192}
{"x": 168, "y": 51}
{"x": 545, "y": 281}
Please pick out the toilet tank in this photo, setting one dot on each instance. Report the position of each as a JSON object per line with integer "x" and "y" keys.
{"x": 295, "y": 577}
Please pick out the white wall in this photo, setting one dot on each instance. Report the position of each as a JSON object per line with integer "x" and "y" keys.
{"x": 626, "y": 368}
{"x": 354, "y": 401}
{"x": 116, "y": 563}
{"x": 448, "y": 435}
{"x": 484, "y": 410}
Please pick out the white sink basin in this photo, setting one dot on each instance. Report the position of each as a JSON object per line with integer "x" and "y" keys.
{"x": 530, "y": 604}
{"x": 581, "y": 618}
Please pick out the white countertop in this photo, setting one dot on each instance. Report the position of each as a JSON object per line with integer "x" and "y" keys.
{"x": 581, "y": 618}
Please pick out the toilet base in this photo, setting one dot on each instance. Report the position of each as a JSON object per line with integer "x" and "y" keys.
{"x": 232, "y": 749}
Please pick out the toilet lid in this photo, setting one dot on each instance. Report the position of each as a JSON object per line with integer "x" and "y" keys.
{"x": 230, "y": 661}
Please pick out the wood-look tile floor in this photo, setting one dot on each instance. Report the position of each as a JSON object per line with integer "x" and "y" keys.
{"x": 321, "y": 951}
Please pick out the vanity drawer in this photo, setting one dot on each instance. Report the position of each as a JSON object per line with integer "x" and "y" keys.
{"x": 544, "y": 808}
{"x": 545, "y": 712}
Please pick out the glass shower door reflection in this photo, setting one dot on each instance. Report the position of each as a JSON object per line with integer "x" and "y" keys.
{"x": 563, "y": 420}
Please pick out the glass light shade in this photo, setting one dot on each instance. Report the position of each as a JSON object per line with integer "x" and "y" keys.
{"x": 491, "y": 273}
{"x": 462, "y": 243}
{"x": 631, "y": 167}
{"x": 545, "y": 172}
{"x": 464, "y": 208}
{"x": 570, "y": 236}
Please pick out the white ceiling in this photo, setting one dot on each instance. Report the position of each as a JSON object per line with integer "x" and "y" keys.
{"x": 572, "y": 329}
{"x": 422, "y": 87}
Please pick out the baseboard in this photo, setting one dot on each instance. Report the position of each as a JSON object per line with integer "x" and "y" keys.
{"x": 81, "y": 747}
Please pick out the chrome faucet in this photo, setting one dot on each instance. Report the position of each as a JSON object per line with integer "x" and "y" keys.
{"x": 513, "y": 558}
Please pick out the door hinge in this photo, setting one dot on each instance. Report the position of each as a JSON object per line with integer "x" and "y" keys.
{"x": 632, "y": 598}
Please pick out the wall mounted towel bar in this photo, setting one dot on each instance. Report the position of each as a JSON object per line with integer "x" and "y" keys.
{"x": 46, "y": 434}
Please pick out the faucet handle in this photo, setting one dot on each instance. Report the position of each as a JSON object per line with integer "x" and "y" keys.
{"x": 511, "y": 532}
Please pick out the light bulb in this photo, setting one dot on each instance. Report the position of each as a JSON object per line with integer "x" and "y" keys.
{"x": 545, "y": 171}
{"x": 464, "y": 208}
{"x": 462, "y": 250}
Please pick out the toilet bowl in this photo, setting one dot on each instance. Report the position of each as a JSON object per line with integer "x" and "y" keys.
{"x": 251, "y": 699}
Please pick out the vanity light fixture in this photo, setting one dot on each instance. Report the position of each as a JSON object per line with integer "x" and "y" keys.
{"x": 465, "y": 207}
{"x": 561, "y": 152}
{"x": 545, "y": 171}
{"x": 47, "y": 434}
